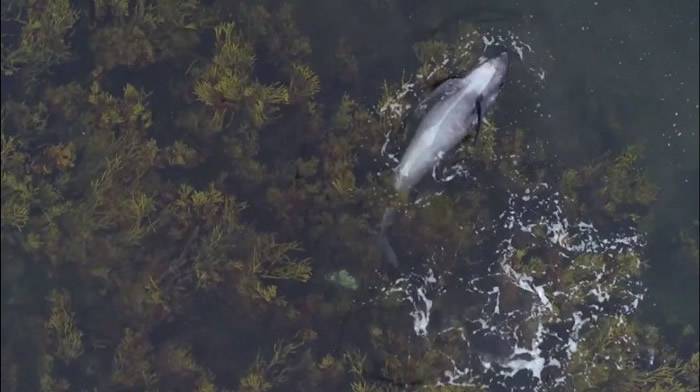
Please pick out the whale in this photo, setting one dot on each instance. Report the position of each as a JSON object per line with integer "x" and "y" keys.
{"x": 453, "y": 111}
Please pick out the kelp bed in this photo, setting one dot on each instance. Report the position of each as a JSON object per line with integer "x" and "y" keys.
{"x": 187, "y": 207}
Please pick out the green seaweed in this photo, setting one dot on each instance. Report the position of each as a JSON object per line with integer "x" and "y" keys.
{"x": 226, "y": 84}
{"x": 132, "y": 363}
{"x": 48, "y": 382}
{"x": 42, "y": 42}
{"x": 606, "y": 361}
{"x": 268, "y": 373}
{"x": 65, "y": 336}
{"x": 618, "y": 183}
{"x": 268, "y": 262}
{"x": 196, "y": 160}
{"x": 16, "y": 187}
{"x": 624, "y": 184}
{"x": 278, "y": 32}
{"x": 140, "y": 33}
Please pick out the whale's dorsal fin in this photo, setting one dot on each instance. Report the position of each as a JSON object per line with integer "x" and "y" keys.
{"x": 437, "y": 83}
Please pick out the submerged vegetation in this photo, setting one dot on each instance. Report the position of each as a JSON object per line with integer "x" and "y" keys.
{"x": 182, "y": 211}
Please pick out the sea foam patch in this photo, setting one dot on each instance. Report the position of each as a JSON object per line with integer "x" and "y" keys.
{"x": 416, "y": 290}
{"x": 530, "y": 322}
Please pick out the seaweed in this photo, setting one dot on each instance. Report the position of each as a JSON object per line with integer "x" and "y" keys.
{"x": 48, "y": 382}
{"x": 181, "y": 369}
{"x": 266, "y": 374}
{"x": 440, "y": 60}
{"x": 277, "y": 32}
{"x": 42, "y": 38}
{"x": 303, "y": 83}
{"x": 243, "y": 184}
{"x": 609, "y": 360}
{"x": 624, "y": 184}
{"x": 132, "y": 363}
{"x": 16, "y": 187}
{"x": 618, "y": 183}
{"x": 139, "y": 33}
{"x": 179, "y": 154}
{"x": 267, "y": 262}
{"x": 65, "y": 336}
{"x": 226, "y": 85}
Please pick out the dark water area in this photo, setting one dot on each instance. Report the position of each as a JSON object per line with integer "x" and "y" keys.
{"x": 616, "y": 74}
{"x": 208, "y": 231}
{"x": 628, "y": 73}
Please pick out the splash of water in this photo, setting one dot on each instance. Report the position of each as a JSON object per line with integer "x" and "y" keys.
{"x": 541, "y": 339}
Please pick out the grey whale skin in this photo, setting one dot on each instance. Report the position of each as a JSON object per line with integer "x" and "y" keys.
{"x": 452, "y": 112}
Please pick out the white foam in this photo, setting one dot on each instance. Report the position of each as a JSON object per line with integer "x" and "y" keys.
{"x": 421, "y": 317}
{"x": 415, "y": 291}
{"x": 542, "y": 208}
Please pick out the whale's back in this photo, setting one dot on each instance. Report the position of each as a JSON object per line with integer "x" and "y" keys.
{"x": 443, "y": 126}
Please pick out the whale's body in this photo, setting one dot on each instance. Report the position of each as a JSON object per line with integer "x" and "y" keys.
{"x": 452, "y": 112}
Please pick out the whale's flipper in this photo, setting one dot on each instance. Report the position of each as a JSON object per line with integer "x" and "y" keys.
{"x": 479, "y": 118}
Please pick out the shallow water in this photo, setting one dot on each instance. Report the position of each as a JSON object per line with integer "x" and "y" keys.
{"x": 587, "y": 80}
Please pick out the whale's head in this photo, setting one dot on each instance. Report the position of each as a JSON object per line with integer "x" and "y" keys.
{"x": 487, "y": 79}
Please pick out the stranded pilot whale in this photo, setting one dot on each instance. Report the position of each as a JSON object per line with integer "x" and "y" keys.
{"x": 453, "y": 111}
